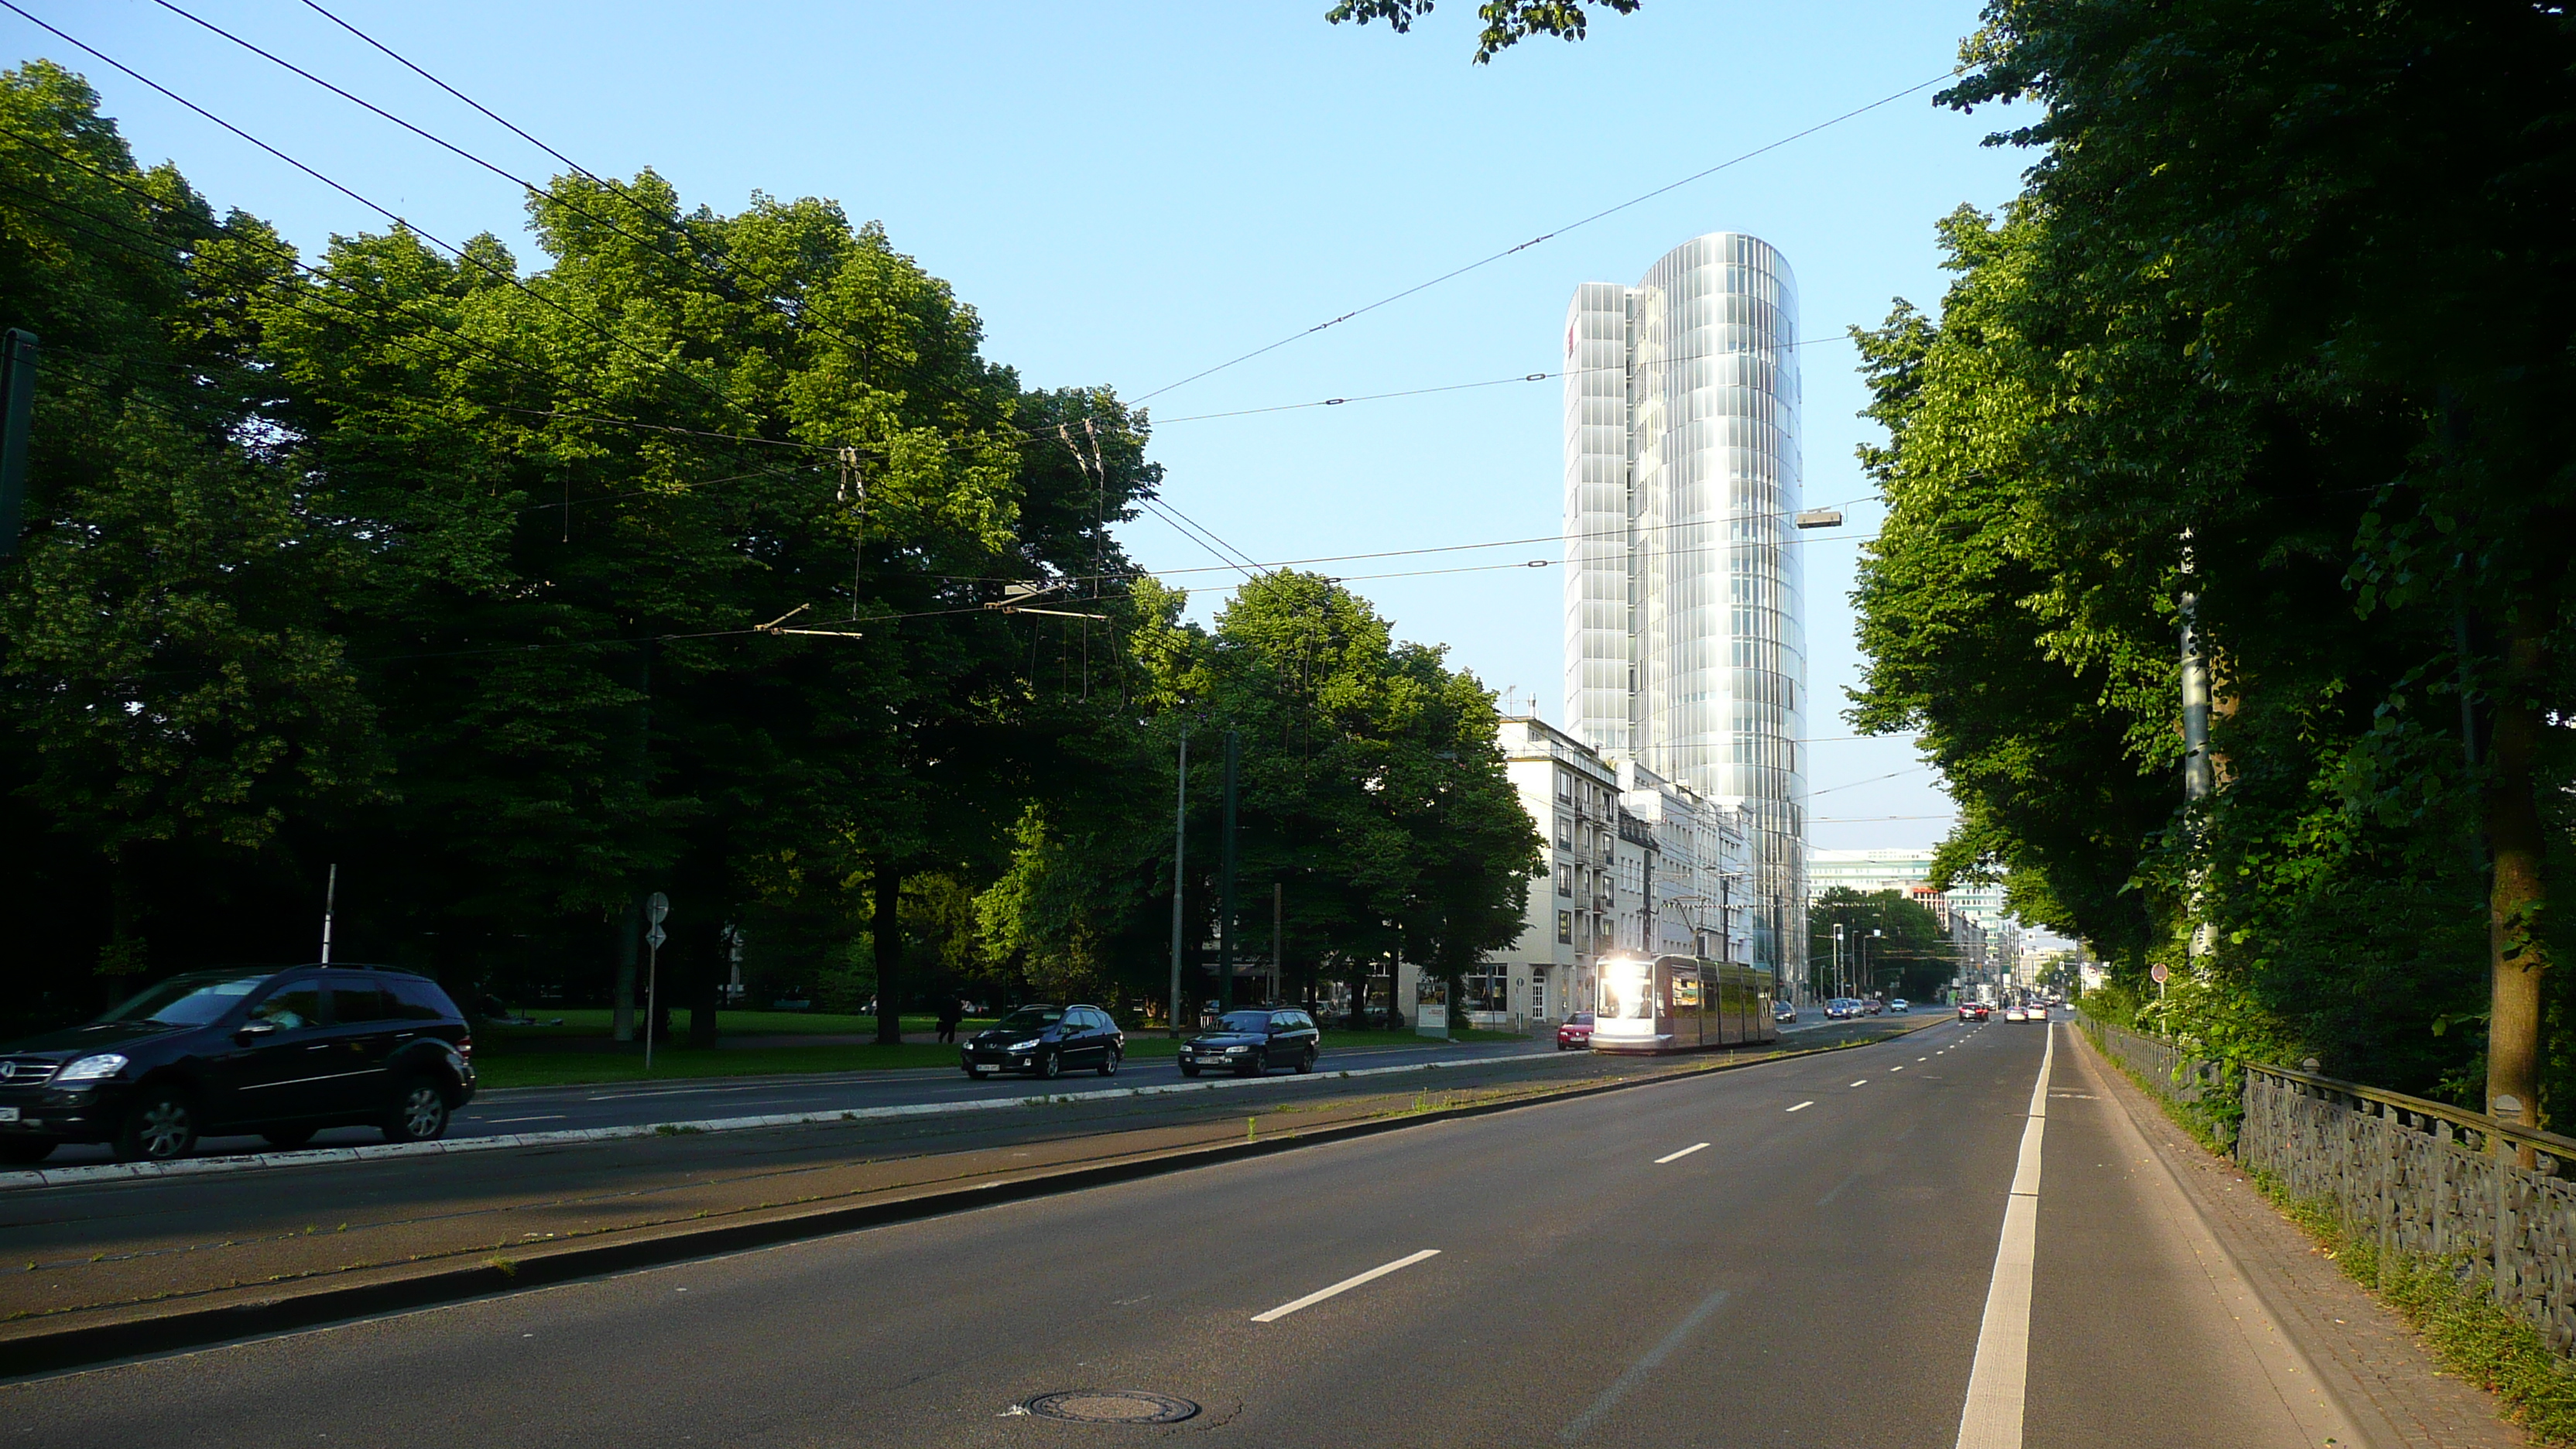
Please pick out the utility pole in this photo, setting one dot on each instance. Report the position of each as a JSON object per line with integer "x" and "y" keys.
{"x": 17, "y": 420}
{"x": 1225, "y": 894}
{"x": 2198, "y": 777}
{"x": 330, "y": 899}
{"x": 1278, "y": 909}
{"x": 1180, "y": 852}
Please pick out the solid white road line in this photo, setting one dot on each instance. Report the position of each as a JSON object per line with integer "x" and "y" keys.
{"x": 2000, "y": 1379}
{"x": 1678, "y": 1156}
{"x": 1344, "y": 1286}
{"x": 1802, "y": 1106}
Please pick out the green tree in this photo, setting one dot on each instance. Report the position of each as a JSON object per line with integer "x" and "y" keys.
{"x": 170, "y": 681}
{"x": 1911, "y": 955}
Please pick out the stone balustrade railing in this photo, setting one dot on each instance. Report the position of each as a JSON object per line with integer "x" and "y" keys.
{"x": 2421, "y": 1179}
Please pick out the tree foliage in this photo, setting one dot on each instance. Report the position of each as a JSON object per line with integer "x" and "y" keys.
{"x": 2282, "y": 319}
{"x": 1506, "y": 22}
{"x": 705, "y": 554}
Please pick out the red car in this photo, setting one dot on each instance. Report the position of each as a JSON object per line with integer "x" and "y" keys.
{"x": 1973, "y": 1011}
{"x": 1576, "y": 1034}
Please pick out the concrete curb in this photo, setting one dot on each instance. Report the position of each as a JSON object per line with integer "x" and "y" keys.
{"x": 93, "y": 1174}
{"x": 50, "y": 1352}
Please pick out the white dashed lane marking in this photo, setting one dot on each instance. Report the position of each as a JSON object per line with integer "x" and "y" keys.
{"x": 1344, "y": 1286}
{"x": 1678, "y": 1156}
{"x": 1802, "y": 1106}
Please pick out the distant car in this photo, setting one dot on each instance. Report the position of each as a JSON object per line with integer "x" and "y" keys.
{"x": 280, "y": 1053}
{"x": 1874, "y": 1006}
{"x": 1973, "y": 1011}
{"x": 1044, "y": 1040}
{"x": 1783, "y": 1013}
{"x": 2015, "y": 1013}
{"x": 1900, "y": 1005}
{"x": 1576, "y": 1033}
{"x": 1251, "y": 1042}
{"x": 2036, "y": 1011}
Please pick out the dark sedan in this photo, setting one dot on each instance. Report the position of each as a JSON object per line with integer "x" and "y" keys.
{"x": 280, "y": 1053}
{"x": 1045, "y": 1041}
{"x": 1249, "y": 1043}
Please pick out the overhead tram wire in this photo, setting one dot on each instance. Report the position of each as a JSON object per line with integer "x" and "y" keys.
{"x": 1334, "y": 402}
{"x": 1545, "y": 236}
{"x": 689, "y": 252}
{"x": 387, "y": 213}
{"x": 313, "y": 300}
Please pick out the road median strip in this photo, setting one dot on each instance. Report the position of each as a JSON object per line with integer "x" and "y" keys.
{"x": 90, "y": 1174}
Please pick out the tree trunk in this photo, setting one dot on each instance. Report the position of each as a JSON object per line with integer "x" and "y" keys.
{"x": 630, "y": 941}
{"x": 707, "y": 972}
{"x": 887, "y": 935}
{"x": 2515, "y": 844}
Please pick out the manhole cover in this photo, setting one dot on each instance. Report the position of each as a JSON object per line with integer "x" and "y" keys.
{"x": 1111, "y": 1406}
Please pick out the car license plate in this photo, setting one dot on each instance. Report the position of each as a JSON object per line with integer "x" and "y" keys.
{"x": 8, "y": 1114}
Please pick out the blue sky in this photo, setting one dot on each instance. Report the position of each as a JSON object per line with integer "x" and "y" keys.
{"x": 1131, "y": 192}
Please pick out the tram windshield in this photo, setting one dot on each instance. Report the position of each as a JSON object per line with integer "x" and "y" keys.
{"x": 1627, "y": 990}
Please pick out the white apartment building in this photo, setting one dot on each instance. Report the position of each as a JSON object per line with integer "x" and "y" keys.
{"x": 1700, "y": 904}
{"x": 1593, "y": 895}
{"x": 1634, "y": 862}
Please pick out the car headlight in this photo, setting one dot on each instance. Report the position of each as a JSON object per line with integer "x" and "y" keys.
{"x": 1236, "y": 1051}
{"x": 93, "y": 1068}
{"x": 1023, "y": 1046}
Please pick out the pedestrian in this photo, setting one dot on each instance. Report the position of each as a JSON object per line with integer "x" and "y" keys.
{"x": 950, "y": 1013}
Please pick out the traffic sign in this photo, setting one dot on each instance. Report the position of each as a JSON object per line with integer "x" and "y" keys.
{"x": 656, "y": 936}
{"x": 656, "y": 906}
{"x": 2157, "y": 973}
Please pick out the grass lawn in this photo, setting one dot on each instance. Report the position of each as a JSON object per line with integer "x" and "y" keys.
{"x": 519, "y": 1057}
{"x": 597, "y": 1021}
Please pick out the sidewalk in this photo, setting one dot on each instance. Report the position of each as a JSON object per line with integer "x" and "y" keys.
{"x": 2365, "y": 1360}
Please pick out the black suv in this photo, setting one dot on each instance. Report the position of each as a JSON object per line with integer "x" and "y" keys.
{"x": 280, "y": 1053}
{"x": 1249, "y": 1043}
{"x": 1044, "y": 1040}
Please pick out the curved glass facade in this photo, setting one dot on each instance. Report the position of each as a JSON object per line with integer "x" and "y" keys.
{"x": 1683, "y": 646}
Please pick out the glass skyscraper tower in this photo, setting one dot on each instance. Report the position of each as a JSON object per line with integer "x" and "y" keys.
{"x": 1683, "y": 646}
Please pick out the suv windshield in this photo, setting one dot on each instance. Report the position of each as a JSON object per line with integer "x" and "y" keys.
{"x": 1030, "y": 1018}
{"x": 1256, "y": 1022}
{"x": 186, "y": 1000}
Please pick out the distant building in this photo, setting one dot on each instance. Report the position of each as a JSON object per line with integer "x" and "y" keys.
{"x": 1988, "y": 941}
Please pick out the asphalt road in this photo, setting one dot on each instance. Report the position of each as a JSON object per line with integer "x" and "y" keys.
{"x": 549, "y": 1109}
{"x": 1818, "y": 1273}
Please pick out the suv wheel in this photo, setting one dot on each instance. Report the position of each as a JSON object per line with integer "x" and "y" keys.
{"x": 1109, "y": 1063}
{"x": 420, "y": 1111}
{"x": 1255, "y": 1065}
{"x": 1051, "y": 1065}
{"x": 1189, "y": 1069}
{"x": 1306, "y": 1063}
{"x": 162, "y": 1126}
